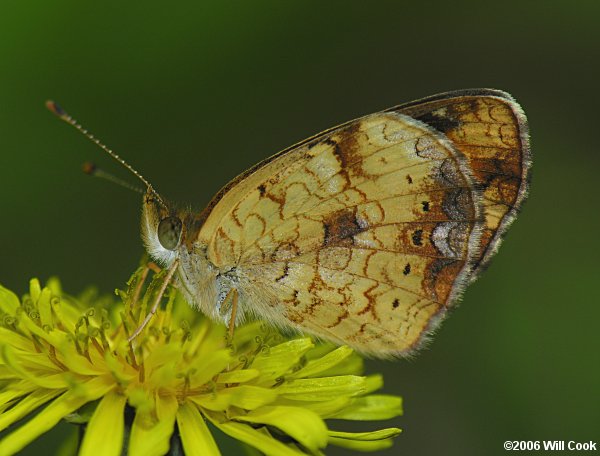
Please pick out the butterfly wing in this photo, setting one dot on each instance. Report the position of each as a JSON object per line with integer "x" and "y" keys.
{"x": 363, "y": 235}
{"x": 490, "y": 129}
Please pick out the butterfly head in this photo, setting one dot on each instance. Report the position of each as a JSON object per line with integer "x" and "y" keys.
{"x": 163, "y": 230}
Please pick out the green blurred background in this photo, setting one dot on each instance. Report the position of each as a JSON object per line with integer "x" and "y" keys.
{"x": 195, "y": 92}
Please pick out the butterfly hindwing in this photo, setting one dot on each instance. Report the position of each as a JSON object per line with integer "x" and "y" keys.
{"x": 490, "y": 129}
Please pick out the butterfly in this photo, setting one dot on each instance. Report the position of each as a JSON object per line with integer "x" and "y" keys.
{"x": 365, "y": 234}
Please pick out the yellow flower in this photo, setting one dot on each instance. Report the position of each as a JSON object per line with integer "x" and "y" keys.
{"x": 181, "y": 373}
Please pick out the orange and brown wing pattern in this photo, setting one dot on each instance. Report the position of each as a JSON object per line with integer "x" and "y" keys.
{"x": 363, "y": 235}
{"x": 490, "y": 129}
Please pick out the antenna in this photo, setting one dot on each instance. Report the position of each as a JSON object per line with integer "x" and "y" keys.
{"x": 63, "y": 115}
{"x": 91, "y": 169}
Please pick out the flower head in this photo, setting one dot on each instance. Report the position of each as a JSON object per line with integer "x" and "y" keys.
{"x": 182, "y": 372}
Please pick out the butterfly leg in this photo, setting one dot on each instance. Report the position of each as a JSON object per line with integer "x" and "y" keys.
{"x": 234, "y": 306}
{"x": 159, "y": 296}
{"x": 150, "y": 266}
{"x": 228, "y": 308}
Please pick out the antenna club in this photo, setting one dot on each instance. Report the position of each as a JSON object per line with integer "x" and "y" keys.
{"x": 62, "y": 114}
{"x": 89, "y": 168}
{"x": 55, "y": 109}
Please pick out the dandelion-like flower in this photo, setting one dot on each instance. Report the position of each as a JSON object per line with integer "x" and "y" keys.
{"x": 70, "y": 358}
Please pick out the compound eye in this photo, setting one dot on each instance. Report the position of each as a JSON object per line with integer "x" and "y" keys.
{"x": 169, "y": 232}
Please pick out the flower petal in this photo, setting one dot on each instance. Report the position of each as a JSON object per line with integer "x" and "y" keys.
{"x": 195, "y": 435}
{"x": 154, "y": 439}
{"x": 104, "y": 433}
{"x": 122, "y": 372}
{"x": 164, "y": 376}
{"x": 301, "y": 424}
{"x": 9, "y": 303}
{"x": 367, "y": 436}
{"x": 352, "y": 365}
{"x": 51, "y": 415}
{"x": 262, "y": 441}
{"x": 22, "y": 385}
{"x": 66, "y": 312}
{"x": 238, "y": 376}
{"x": 34, "y": 361}
{"x": 9, "y": 337}
{"x": 20, "y": 367}
{"x": 325, "y": 409}
{"x": 374, "y": 382}
{"x": 248, "y": 332}
{"x": 250, "y": 397}
{"x": 364, "y": 441}
{"x": 361, "y": 445}
{"x": 35, "y": 289}
{"x": 161, "y": 355}
{"x": 323, "y": 389}
{"x": 370, "y": 408}
{"x": 26, "y": 405}
{"x": 45, "y": 309}
{"x": 316, "y": 366}
{"x": 279, "y": 359}
{"x": 67, "y": 354}
{"x": 205, "y": 367}
{"x": 247, "y": 397}
{"x": 208, "y": 339}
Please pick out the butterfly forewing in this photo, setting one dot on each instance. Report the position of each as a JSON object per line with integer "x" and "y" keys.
{"x": 363, "y": 235}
